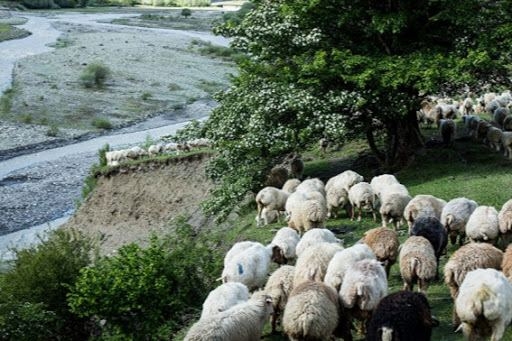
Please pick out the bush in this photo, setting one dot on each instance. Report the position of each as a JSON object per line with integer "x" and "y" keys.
{"x": 101, "y": 123}
{"x": 94, "y": 75}
{"x": 33, "y": 292}
{"x": 186, "y": 12}
{"x": 52, "y": 131}
{"x": 140, "y": 291}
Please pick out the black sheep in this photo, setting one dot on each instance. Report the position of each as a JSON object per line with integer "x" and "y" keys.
{"x": 432, "y": 229}
{"x": 405, "y": 315}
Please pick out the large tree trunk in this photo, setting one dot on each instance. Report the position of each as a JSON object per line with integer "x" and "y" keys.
{"x": 403, "y": 139}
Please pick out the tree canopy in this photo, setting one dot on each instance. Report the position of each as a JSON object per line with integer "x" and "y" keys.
{"x": 344, "y": 69}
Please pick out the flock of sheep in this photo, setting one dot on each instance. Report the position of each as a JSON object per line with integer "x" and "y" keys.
{"x": 115, "y": 157}
{"x": 331, "y": 288}
{"x": 496, "y": 133}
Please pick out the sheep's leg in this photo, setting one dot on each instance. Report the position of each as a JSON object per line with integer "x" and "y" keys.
{"x": 499, "y": 330}
{"x": 360, "y": 213}
{"x": 455, "y": 319}
{"x": 422, "y": 286}
{"x": 374, "y": 216}
{"x": 383, "y": 220}
{"x": 353, "y": 213}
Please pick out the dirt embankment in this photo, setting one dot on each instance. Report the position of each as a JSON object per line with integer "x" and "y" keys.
{"x": 131, "y": 204}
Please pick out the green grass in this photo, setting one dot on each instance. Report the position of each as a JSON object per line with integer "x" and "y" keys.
{"x": 8, "y": 32}
{"x": 469, "y": 169}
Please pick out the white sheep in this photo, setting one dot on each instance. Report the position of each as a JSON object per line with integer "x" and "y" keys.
{"x": 306, "y": 210}
{"x": 313, "y": 313}
{"x": 380, "y": 182}
{"x": 417, "y": 263}
{"x": 248, "y": 264}
{"x": 279, "y": 286}
{"x": 313, "y": 262}
{"x": 483, "y": 225}
{"x": 115, "y": 157}
{"x": 155, "y": 149}
{"x": 291, "y": 185}
{"x": 454, "y": 217}
{"x": 271, "y": 198}
{"x": 466, "y": 107}
{"x": 313, "y": 237}
{"x": 423, "y": 205}
{"x": 344, "y": 180}
{"x": 224, "y": 297}
{"x": 311, "y": 185}
{"x": 336, "y": 197}
{"x": 484, "y": 304}
{"x": 242, "y": 322}
{"x": 342, "y": 260}
{"x": 392, "y": 205}
{"x": 364, "y": 285}
{"x": 284, "y": 244}
{"x": 362, "y": 196}
{"x": 136, "y": 152}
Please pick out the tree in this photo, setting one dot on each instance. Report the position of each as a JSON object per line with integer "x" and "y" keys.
{"x": 344, "y": 69}
{"x": 186, "y": 12}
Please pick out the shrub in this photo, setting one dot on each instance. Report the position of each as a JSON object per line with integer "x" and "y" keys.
{"x": 191, "y": 131}
{"x": 145, "y": 96}
{"x": 52, "y": 131}
{"x": 94, "y": 75}
{"x": 186, "y": 12}
{"x": 34, "y": 290}
{"x": 139, "y": 291}
{"x": 101, "y": 123}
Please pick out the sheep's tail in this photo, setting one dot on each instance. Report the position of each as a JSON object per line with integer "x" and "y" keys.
{"x": 483, "y": 295}
{"x": 414, "y": 266}
{"x": 387, "y": 334}
{"x": 449, "y": 220}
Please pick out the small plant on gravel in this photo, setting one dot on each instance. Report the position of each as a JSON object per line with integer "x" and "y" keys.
{"x": 6, "y": 101}
{"x": 94, "y": 75}
{"x": 186, "y": 12}
{"x": 26, "y": 118}
{"x": 101, "y": 123}
{"x": 52, "y": 131}
{"x": 146, "y": 95}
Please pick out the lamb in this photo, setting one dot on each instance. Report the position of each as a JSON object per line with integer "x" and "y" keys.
{"x": 447, "y": 129}
{"x": 432, "y": 229}
{"x": 494, "y": 138}
{"x": 402, "y": 315}
{"x": 270, "y": 198}
{"x": 362, "y": 196}
{"x": 466, "y": 106}
{"x": 313, "y": 237}
{"x": 313, "y": 262}
{"x": 306, "y": 210}
{"x": 454, "y": 217}
{"x": 364, "y": 285}
{"x": 284, "y": 244}
{"x": 242, "y": 322}
{"x": 247, "y": 263}
{"x": 313, "y": 312}
{"x": 469, "y": 257}
{"x": 423, "y": 205}
{"x": 484, "y": 304}
{"x": 291, "y": 185}
{"x": 380, "y": 182}
{"x": 505, "y": 221}
{"x": 337, "y": 197}
{"x": 506, "y": 141}
{"x": 417, "y": 263}
{"x": 384, "y": 244}
{"x": 224, "y": 297}
{"x": 342, "y": 260}
{"x": 393, "y": 200}
{"x": 482, "y": 224}
{"x": 345, "y": 180}
{"x": 278, "y": 287}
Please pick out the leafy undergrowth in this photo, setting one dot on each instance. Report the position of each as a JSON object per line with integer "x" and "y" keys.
{"x": 468, "y": 169}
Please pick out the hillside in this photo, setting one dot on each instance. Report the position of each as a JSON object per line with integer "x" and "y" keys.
{"x": 132, "y": 202}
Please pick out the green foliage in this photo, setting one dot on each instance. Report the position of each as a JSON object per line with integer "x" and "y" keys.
{"x": 146, "y": 95}
{"x": 7, "y": 32}
{"x": 101, "y": 123}
{"x": 52, "y": 130}
{"x": 186, "y": 12}
{"x": 193, "y": 130}
{"x": 94, "y": 75}
{"x": 346, "y": 70}
{"x": 6, "y": 100}
{"x": 102, "y": 154}
{"x": 39, "y": 4}
{"x": 140, "y": 290}
{"x": 33, "y": 292}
